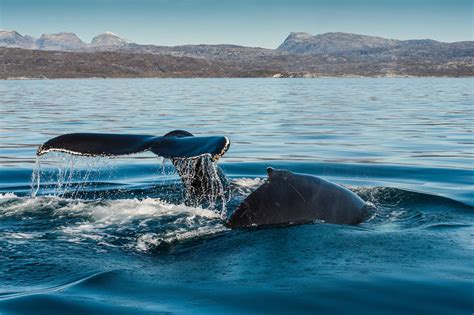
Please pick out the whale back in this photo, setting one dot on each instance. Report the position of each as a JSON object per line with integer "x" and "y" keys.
{"x": 289, "y": 198}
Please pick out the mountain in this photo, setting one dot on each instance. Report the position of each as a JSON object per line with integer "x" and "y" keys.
{"x": 108, "y": 39}
{"x": 345, "y": 45}
{"x": 301, "y": 54}
{"x": 330, "y": 43}
{"x": 14, "y": 40}
{"x": 374, "y": 49}
{"x": 61, "y": 42}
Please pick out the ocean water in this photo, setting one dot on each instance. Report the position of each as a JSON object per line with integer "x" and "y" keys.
{"x": 114, "y": 236}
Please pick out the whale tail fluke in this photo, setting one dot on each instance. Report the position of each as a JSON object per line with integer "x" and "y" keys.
{"x": 177, "y": 144}
{"x": 97, "y": 144}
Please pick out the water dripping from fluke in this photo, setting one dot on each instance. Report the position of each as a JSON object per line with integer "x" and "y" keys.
{"x": 202, "y": 183}
{"x": 62, "y": 175}
{"x": 36, "y": 178}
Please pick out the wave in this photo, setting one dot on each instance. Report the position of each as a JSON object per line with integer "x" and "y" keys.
{"x": 61, "y": 287}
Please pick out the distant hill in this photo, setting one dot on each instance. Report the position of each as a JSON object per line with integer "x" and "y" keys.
{"x": 108, "y": 39}
{"x": 375, "y": 49}
{"x": 13, "y": 39}
{"x": 300, "y": 54}
{"x": 332, "y": 43}
{"x": 60, "y": 42}
{"x": 23, "y": 63}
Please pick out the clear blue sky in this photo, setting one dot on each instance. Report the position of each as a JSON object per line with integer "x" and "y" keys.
{"x": 263, "y": 23}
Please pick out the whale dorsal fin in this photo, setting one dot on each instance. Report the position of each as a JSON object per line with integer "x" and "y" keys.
{"x": 174, "y": 145}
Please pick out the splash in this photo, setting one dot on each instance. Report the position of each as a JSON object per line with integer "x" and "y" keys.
{"x": 71, "y": 176}
{"x": 131, "y": 224}
{"x": 204, "y": 183}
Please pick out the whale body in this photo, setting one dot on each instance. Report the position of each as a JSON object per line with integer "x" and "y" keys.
{"x": 290, "y": 198}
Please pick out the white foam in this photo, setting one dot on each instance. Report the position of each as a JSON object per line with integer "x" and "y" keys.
{"x": 21, "y": 236}
{"x": 102, "y": 219}
{"x": 147, "y": 222}
{"x": 149, "y": 241}
{"x": 244, "y": 186}
{"x": 127, "y": 209}
{"x": 248, "y": 182}
{"x": 8, "y": 196}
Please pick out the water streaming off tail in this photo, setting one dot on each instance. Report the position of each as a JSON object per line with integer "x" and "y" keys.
{"x": 204, "y": 183}
{"x": 60, "y": 175}
{"x": 64, "y": 175}
{"x": 35, "y": 177}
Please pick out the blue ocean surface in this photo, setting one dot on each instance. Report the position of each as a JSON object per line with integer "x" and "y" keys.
{"x": 113, "y": 235}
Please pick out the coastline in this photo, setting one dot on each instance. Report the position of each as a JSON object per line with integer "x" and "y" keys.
{"x": 230, "y": 77}
{"x": 18, "y": 64}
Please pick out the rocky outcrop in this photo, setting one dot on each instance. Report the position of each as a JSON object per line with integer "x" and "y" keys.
{"x": 108, "y": 39}
{"x": 372, "y": 49}
{"x": 13, "y": 39}
{"x": 61, "y": 42}
{"x": 332, "y": 43}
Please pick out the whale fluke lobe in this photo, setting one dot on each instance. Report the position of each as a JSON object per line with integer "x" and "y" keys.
{"x": 97, "y": 144}
{"x": 178, "y": 144}
{"x": 190, "y": 147}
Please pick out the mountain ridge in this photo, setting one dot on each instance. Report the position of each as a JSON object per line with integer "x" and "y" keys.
{"x": 300, "y": 54}
{"x": 365, "y": 41}
{"x": 298, "y": 42}
{"x": 62, "y": 41}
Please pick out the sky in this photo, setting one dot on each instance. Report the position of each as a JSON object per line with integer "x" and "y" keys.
{"x": 259, "y": 23}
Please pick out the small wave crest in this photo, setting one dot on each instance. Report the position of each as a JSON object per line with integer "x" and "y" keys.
{"x": 244, "y": 186}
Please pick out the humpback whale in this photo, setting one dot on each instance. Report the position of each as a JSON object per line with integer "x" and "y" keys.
{"x": 290, "y": 198}
{"x": 285, "y": 197}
